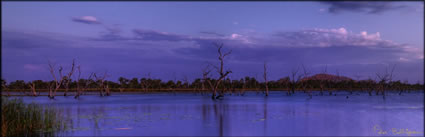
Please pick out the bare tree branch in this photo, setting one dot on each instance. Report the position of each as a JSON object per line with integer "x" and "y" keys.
{"x": 265, "y": 78}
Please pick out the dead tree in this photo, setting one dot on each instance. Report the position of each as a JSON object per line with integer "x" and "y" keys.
{"x": 385, "y": 79}
{"x": 403, "y": 86}
{"x": 305, "y": 82}
{"x": 68, "y": 78}
{"x": 57, "y": 81}
{"x": 219, "y": 70}
{"x": 51, "y": 86}
{"x": 32, "y": 86}
{"x": 224, "y": 88}
{"x": 294, "y": 80}
{"x": 108, "y": 92}
{"x": 286, "y": 83}
{"x": 370, "y": 85}
{"x": 80, "y": 88}
{"x": 265, "y": 78}
{"x": 78, "y": 91}
{"x": 87, "y": 84}
{"x": 101, "y": 80}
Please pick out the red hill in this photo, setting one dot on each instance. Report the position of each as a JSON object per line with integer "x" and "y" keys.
{"x": 327, "y": 77}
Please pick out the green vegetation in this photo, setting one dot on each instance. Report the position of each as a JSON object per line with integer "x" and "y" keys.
{"x": 20, "y": 119}
{"x": 247, "y": 83}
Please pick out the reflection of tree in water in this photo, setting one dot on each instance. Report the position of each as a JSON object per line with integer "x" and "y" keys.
{"x": 97, "y": 114}
{"x": 214, "y": 112}
{"x": 94, "y": 116}
{"x": 219, "y": 113}
{"x": 265, "y": 116}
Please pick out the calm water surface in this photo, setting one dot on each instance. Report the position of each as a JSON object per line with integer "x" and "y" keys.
{"x": 250, "y": 115}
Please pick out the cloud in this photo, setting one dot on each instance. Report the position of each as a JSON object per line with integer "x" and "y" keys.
{"x": 308, "y": 40}
{"x": 159, "y": 52}
{"x": 420, "y": 56}
{"x": 404, "y": 59}
{"x": 143, "y": 34}
{"x": 86, "y": 20}
{"x": 111, "y": 33}
{"x": 363, "y": 7}
{"x": 329, "y": 37}
{"x": 212, "y": 33}
{"x": 34, "y": 40}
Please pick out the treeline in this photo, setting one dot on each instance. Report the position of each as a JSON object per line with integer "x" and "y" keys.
{"x": 218, "y": 84}
{"x": 247, "y": 83}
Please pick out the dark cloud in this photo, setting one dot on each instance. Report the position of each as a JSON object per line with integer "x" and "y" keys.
{"x": 31, "y": 40}
{"x": 111, "y": 33}
{"x": 143, "y": 34}
{"x": 86, "y": 20}
{"x": 363, "y": 7}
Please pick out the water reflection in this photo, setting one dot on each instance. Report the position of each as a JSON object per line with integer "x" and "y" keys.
{"x": 251, "y": 115}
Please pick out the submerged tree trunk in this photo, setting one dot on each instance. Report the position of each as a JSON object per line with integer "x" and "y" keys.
{"x": 219, "y": 70}
{"x": 214, "y": 93}
{"x": 101, "y": 88}
{"x": 370, "y": 91}
{"x": 291, "y": 90}
{"x": 383, "y": 92}
{"x": 34, "y": 92}
{"x": 50, "y": 95}
{"x": 288, "y": 90}
{"x": 309, "y": 93}
{"x": 108, "y": 93}
{"x": 378, "y": 89}
{"x": 66, "y": 90}
{"x": 402, "y": 89}
{"x": 265, "y": 79}
{"x": 267, "y": 90}
{"x": 77, "y": 94}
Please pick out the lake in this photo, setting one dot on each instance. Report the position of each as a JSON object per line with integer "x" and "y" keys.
{"x": 189, "y": 114}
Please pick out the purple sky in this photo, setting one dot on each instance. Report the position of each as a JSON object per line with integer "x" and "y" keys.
{"x": 174, "y": 39}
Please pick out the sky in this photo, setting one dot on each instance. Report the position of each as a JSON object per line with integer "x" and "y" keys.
{"x": 174, "y": 40}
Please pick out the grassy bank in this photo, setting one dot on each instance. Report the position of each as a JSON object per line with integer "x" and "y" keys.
{"x": 20, "y": 119}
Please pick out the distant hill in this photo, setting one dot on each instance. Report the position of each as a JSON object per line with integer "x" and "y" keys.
{"x": 327, "y": 77}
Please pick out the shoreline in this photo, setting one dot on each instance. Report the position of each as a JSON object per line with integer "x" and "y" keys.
{"x": 334, "y": 92}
